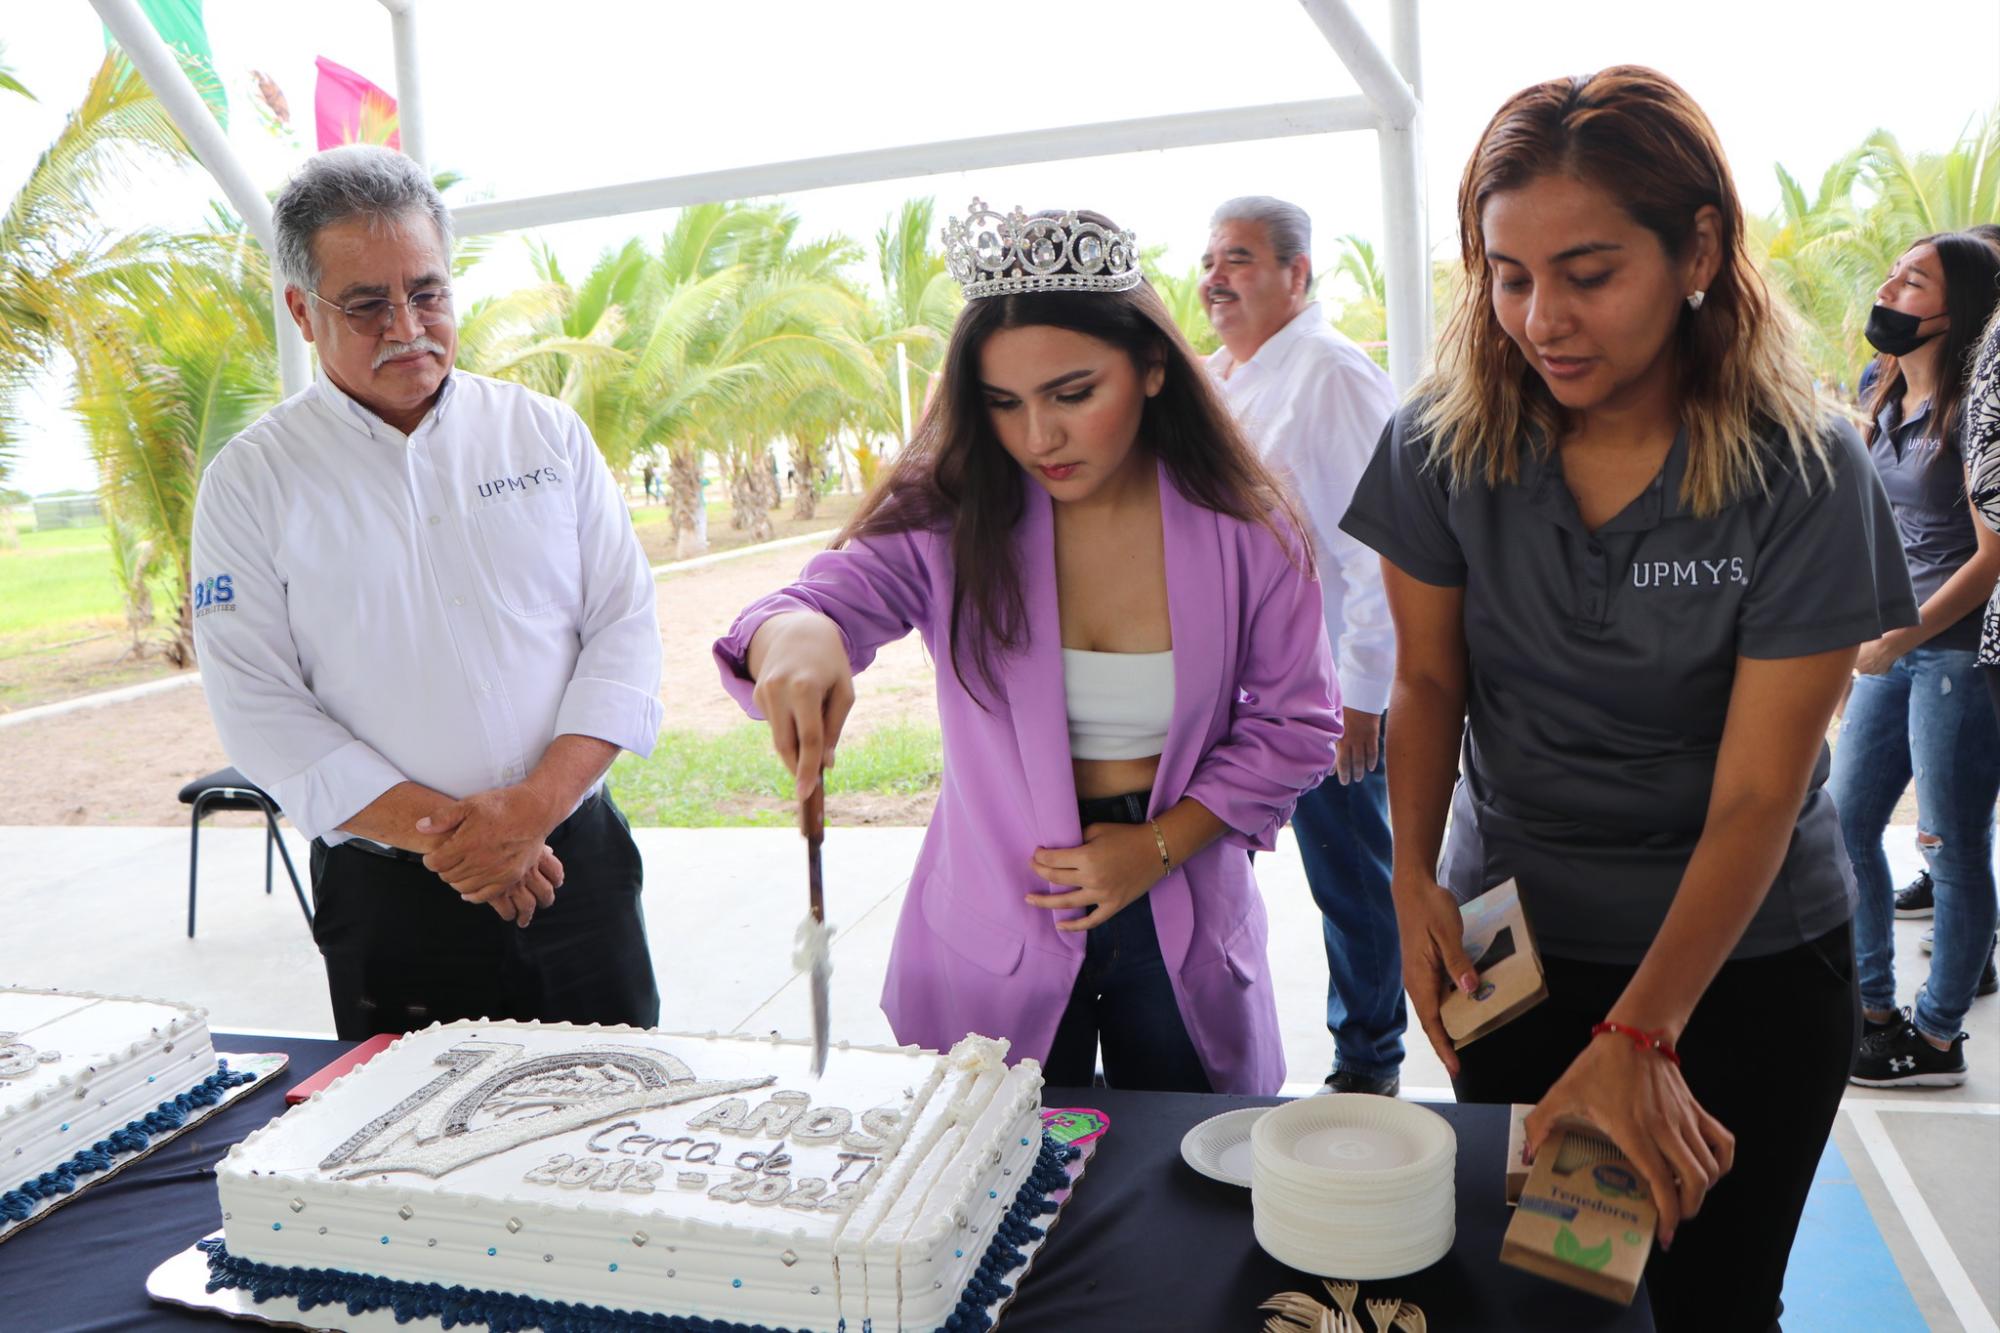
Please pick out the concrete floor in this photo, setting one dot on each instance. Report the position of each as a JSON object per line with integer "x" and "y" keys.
{"x": 105, "y": 909}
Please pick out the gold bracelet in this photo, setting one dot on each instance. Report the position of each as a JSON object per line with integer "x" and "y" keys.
{"x": 1160, "y": 840}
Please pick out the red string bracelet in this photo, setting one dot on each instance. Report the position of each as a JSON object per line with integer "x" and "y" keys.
{"x": 1645, "y": 1041}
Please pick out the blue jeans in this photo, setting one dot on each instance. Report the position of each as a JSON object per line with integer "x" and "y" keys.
{"x": 1926, "y": 717}
{"x": 1123, "y": 998}
{"x": 1343, "y": 835}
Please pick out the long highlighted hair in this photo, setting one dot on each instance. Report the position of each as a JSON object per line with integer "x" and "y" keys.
{"x": 1635, "y": 134}
{"x": 957, "y": 478}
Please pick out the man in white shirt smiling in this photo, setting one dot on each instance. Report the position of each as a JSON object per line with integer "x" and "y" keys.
{"x": 427, "y": 632}
{"x": 1314, "y": 404}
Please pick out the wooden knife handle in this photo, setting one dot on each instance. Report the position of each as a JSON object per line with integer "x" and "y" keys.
{"x": 812, "y": 813}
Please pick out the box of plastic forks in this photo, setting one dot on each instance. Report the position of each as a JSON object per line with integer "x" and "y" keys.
{"x": 1585, "y": 1218}
{"x": 1502, "y": 950}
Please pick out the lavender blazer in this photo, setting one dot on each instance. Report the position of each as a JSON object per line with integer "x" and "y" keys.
{"x": 1255, "y": 718}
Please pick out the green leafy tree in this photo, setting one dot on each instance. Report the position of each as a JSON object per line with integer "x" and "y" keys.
{"x": 1826, "y": 251}
{"x": 58, "y": 268}
{"x": 1181, "y": 293}
{"x": 161, "y": 384}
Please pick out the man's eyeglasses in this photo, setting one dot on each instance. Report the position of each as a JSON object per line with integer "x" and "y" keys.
{"x": 372, "y": 315}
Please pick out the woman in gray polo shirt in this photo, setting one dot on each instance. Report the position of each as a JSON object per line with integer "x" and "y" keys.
{"x": 1629, "y": 562}
{"x": 1917, "y": 708}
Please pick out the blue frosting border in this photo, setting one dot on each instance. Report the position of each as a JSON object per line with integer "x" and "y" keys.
{"x": 18, "y": 1204}
{"x": 501, "y": 1312}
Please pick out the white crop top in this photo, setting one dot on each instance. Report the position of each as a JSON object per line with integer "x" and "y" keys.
{"x": 1119, "y": 703}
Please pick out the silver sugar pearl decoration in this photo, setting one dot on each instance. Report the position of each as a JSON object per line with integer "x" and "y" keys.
{"x": 298, "y": 1205}
{"x": 640, "y": 1238}
{"x": 431, "y": 1244}
{"x": 225, "y": 1217}
{"x": 513, "y": 1225}
{"x": 548, "y": 1258}
{"x": 322, "y": 1231}
{"x": 813, "y": 1290}
{"x": 670, "y": 1272}
{"x": 406, "y": 1212}
{"x": 788, "y": 1258}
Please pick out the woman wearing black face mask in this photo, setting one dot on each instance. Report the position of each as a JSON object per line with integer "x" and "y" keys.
{"x": 1917, "y": 705}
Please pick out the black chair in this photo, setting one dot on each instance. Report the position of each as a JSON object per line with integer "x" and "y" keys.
{"x": 227, "y": 789}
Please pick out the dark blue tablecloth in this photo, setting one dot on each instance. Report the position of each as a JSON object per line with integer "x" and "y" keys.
{"x": 1144, "y": 1243}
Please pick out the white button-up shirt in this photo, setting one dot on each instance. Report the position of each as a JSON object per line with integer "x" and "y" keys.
{"x": 372, "y": 607}
{"x": 1315, "y": 404}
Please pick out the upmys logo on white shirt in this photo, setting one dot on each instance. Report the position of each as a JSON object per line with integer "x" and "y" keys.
{"x": 500, "y": 488}
{"x": 1689, "y": 573}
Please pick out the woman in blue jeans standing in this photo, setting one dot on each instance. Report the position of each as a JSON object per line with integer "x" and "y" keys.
{"x": 1918, "y": 706}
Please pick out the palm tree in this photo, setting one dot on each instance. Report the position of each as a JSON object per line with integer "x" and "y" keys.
{"x": 1826, "y": 252}
{"x": 920, "y": 301}
{"x": 8, "y": 83}
{"x": 57, "y": 268}
{"x": 162, "y": 382}
{"x": 1182, "y": 295}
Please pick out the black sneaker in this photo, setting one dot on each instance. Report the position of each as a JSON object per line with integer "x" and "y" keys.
{"x": 1346, "y": 1080}
{"x": 1869, "y": 1026}
{"x": 1900, "y": 1057}
{"x": 1914, "y": 898}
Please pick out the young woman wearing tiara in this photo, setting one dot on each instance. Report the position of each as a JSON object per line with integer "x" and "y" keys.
{"x": 1630, "y": 560}
{"x": 1133, "y": 676}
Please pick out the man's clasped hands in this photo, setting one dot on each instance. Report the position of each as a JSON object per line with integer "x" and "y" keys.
{"x": 491, "y": 848}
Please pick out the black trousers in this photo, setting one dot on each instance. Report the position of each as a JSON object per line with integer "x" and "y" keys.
{"x": 1767, "y": 1053}
{"x": 1123, "y": 997}
{"x": 403, "y": 950}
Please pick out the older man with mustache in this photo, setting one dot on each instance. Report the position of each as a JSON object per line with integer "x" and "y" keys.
{"x": 1314, "y": 404}
{"x": 426, "y": 628}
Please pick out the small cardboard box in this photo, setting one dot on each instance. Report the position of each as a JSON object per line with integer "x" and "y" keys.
{"x": 1584, "y": 1219}
{"x": 1518, "y": 1165}
{"x": 1502, "y": 950}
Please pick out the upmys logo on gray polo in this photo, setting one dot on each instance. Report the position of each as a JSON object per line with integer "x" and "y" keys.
{"x": 527, "y": 483}
{"x": 1689, "y": 573}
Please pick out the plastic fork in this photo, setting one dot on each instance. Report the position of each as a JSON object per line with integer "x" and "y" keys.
{"x": 1344, "y": 1295}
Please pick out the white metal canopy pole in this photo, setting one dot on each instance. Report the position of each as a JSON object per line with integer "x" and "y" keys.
{"x": 163, "y": 73}
{"x": 1399, "y": 143}
{"x": 410, "y": 124}
{"x": 1187, "y": 129}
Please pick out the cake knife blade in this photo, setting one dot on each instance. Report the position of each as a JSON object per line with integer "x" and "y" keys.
{"x": 813, "y": 816}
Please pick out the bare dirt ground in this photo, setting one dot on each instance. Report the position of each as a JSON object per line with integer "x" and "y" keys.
{"x": 124, "y": 764}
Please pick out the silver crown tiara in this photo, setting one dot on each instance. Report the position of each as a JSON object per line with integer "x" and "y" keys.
{"x": 1016, "y": 253}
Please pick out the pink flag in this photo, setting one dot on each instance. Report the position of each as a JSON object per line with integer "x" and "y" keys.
{"x": 350, "y": 109}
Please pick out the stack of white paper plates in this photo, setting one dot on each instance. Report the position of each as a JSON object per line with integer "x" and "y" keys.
{"x": 1353, "y": 1186}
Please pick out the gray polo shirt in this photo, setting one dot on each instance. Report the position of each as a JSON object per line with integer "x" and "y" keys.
{"x": 1601, "y": 665}
{"x": 1926, "y": 487}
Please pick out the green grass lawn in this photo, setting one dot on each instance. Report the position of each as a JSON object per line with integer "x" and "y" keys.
{"x": 735, "y": 779}
{"x": 59, "y": 585}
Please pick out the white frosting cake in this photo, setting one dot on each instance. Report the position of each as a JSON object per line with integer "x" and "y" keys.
{"x": 650, "y": 1172}
{"x": 76, "y": 1068}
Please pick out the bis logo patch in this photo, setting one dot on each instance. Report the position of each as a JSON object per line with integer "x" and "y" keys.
{"x": 215, "y": 594}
